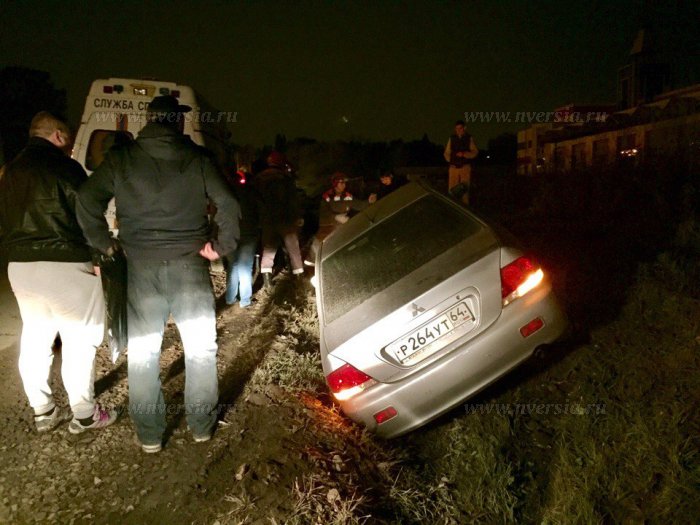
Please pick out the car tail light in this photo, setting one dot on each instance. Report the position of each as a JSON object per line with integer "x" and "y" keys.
{"x": 347, "y": 381}
{"x": 518, "y": 278}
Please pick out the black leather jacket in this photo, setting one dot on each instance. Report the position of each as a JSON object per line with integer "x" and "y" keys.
{"x": 37, "y": 206}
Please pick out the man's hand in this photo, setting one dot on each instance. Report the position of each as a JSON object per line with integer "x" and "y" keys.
{"x": 372, "y": 198}
{"x": 341, "y": 218}
{"x": 208, "y": 252}
{"x": 96, "y": 270}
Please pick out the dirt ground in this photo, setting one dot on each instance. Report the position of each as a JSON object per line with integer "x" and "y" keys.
{"x": 104, "y": 477}
{"x": 285, "y": 456}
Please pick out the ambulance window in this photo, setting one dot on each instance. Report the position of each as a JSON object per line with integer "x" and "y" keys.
{"x": 101, "y": 141}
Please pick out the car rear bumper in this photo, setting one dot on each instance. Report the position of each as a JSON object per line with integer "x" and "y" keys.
{"x": 460, "y": 374}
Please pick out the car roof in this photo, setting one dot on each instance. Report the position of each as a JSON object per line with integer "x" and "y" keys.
{"x": 376, "y": 213}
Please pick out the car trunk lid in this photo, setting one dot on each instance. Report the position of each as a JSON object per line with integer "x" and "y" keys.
{"x": 423, "y": 316}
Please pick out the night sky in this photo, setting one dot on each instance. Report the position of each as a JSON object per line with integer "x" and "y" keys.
{"x": 332, "y": 70}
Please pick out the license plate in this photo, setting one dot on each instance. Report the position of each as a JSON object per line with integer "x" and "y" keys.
{"x": 428, "y": 339}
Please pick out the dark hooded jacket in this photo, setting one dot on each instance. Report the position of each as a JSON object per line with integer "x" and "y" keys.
{"x": 278, "y": 200}
{"x": 162, "y": 184}
{"x": 37, "y": 206}
{"x": 250, "y": 218}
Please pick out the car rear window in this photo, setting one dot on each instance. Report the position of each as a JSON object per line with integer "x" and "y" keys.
{"x": 390, "y": 251}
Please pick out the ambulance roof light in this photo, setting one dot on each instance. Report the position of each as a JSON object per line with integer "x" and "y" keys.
{"x": 116, "y": 88}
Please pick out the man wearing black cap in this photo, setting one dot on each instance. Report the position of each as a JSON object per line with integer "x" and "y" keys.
{"x": 162, "y": 184}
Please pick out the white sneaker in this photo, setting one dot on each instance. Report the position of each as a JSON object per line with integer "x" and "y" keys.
{"x": 100, "y": 418}
{"x": 149, "y": 449}
{"x": 200, "y": 439}
{"x": 49, "y": 422}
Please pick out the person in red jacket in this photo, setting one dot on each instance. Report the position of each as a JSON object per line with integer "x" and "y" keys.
{"x": 336, "y": 205}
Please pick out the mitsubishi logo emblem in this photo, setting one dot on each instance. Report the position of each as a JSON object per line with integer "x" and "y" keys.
{"x": 417, "y": 309}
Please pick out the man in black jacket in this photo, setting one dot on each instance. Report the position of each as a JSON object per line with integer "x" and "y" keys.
{"x": 280, "y": 215}
{"x": 51, "y": 276}
{"x": 162, "y": 184}
{"x": 387, "y": 184}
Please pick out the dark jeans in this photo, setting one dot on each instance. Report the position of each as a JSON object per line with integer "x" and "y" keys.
{"x": 156, "y": 289}
{"x": 239, "y": 272}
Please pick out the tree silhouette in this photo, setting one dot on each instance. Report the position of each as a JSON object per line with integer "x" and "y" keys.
{"x": 503, "y": 148}
{"x": 23, "y": 93}
{"x": 280, "y": 142}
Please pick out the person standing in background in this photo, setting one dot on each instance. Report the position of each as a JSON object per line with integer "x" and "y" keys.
{"x": 239, "y": 263}
{"x": 460, "y": 151}
{"x": 280, "y": 215}
{"x": 335, "y": 209}
{"x": 387, "y": 184}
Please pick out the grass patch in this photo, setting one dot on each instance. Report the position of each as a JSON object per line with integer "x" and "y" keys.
{"x": 316, "y": 503}
{"x": 619, "y": 443}
{"x": 293, "y": 361}
{"x": 617, "y": 438}
{"x": 289, "y": 370}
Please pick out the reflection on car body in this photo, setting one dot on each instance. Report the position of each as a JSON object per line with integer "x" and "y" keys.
{"x": 421, "y": 305}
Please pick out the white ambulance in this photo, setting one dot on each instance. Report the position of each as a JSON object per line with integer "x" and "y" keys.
{"x": 115, "y": 110}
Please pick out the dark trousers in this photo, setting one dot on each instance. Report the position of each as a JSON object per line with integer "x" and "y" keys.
{"x": 157, "y": 289}
{"x": 271, "y": 236}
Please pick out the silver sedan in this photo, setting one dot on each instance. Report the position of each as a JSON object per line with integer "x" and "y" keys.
{"x": 421, "y": 305}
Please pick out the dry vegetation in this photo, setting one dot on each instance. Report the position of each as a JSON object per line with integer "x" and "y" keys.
{"x": 600, "y": 429}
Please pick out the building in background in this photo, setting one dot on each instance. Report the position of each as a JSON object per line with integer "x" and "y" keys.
{"x": 531, "y": 154}
{"x": 668, "y": 124}
{"x": 652, "y": 115}
{"x": 647, "y": 75}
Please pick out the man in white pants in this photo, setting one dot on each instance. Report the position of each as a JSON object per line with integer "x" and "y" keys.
{"x": 52, "y": 277}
